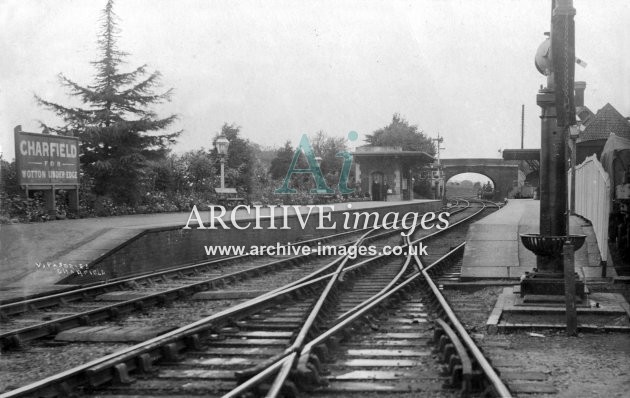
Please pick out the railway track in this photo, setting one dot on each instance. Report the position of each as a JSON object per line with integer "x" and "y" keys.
{"x": 41, "y": 317}
{"x": 269, "y": 334}
{"x": 47, "y": 316}
{"x": 41, "y": 301}
{"x": 112, "y": 325}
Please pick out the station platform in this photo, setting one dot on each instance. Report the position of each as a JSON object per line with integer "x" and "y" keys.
{"x": 35, "y": 257}
{"x": 494, "y": 249}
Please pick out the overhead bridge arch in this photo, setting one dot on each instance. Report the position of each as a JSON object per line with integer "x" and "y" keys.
{"x": 503, "y": 173}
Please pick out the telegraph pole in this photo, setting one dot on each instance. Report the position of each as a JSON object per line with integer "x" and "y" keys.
{"x": 440, "y": 185}
{"x": 522, "y": 126}
{"x": 439, "y": 141}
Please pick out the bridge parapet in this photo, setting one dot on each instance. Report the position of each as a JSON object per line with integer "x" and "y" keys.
{"x": 502, "y": 173}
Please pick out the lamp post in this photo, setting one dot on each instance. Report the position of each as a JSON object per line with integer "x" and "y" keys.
{"x": 221, "y": 144}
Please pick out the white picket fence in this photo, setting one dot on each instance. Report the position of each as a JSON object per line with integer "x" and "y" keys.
{"x": 592, "y": 198}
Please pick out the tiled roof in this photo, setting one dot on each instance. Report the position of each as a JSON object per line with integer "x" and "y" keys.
{"x": 607, "y": 120}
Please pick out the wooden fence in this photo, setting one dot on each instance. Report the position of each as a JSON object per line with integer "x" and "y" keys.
{"x": 592, "y": 198}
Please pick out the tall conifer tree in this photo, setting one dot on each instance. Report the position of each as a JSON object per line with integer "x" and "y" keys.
{"x": 119, "y": 132}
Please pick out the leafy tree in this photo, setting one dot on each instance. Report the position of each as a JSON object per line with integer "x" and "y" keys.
{"x": 400, "y": 133}
{"x": 199, "y": 170}
{"x": 118, "y": 130}
{"x": 328, "y": 148}
{"x": 8, "y": 178}
{"x": 241, "y": 158}
{"x": 280, "y": 164}
{"x": 324, "y": 147}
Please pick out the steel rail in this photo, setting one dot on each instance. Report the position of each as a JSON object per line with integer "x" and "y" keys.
{"x": 288, "y": 357}
{"x": 40, "y": 301}
{"x": 488, "y": 370}
{"x": 13, "y": 338}
{"x": 17, "y": 336}
{"x": 407, "y": 261}
{"x": 256, "y": 380}
{"x": 384, "y": 290}
{"x": 50, "y": 300}
{"x": 106, "y": 365}
{"x": 300, "y": 339}
{"x": 440, "y": 231}
{"x": 287, "y": 362}
{"x": 352, "y": 317}
{"x": 106, "y": 368}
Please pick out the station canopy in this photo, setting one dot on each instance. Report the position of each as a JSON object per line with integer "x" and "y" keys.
{"x": 367, "y": 152}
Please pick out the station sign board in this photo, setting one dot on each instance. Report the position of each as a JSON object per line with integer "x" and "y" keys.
{"x": 46, "y": 160}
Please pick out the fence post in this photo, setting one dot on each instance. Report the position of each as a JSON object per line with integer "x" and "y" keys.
{"x": 569, "y": 288}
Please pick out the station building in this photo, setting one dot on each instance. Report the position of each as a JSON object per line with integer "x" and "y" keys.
{"x": 386, "y": 172}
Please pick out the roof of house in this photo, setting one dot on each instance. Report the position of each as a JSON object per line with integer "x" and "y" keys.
{"x": 607, "y": 120}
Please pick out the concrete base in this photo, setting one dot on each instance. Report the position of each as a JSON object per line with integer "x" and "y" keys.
{"x": 600, "y": 311}
{"x": 539, "y": 284}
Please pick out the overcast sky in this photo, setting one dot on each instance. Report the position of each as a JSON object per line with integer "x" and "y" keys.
{"x": 283, "y": 68}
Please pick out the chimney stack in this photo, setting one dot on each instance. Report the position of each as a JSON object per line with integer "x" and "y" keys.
{"x": 579, "y": 93}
